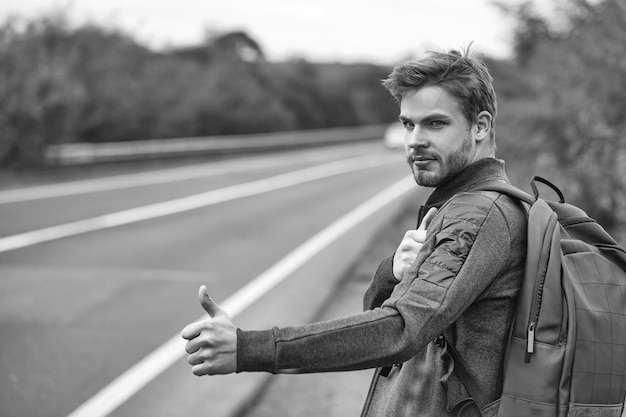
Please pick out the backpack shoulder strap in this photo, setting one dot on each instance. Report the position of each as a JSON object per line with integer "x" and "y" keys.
{"x": 505, "y": 188}
{"x": 477, "y": 394}
{"x": 459, "y": 366}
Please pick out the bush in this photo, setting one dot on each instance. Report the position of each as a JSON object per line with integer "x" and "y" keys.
{"x": 572, "y": 126}
{"x": 92, "y": 84}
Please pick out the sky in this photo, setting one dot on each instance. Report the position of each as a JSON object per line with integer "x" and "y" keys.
{"x": 376, "y": 31}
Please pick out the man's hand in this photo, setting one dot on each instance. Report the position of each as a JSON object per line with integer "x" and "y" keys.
{"x": 411, "y": 244}
{"x": 212, "y": 343}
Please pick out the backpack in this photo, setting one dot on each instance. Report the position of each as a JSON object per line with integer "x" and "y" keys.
{"x": 567, "y": 349}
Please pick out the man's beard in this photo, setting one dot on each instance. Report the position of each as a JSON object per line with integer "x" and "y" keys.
{"x": 455, "y": 163}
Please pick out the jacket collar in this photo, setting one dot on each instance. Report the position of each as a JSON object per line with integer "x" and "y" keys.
{"x": 486, "y": 168}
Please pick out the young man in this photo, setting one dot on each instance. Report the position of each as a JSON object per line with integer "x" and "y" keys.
{"x": 460, "y": 280}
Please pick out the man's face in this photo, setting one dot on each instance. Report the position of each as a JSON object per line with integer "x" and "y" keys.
{"x": 439, "y": 142}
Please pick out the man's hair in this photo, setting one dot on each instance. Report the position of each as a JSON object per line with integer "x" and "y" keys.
{"x": 461, "y": 73}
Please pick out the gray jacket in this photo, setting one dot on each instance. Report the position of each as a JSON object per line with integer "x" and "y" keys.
{"x": 463, "y": 284}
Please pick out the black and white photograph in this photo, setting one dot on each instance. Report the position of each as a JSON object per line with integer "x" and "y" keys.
{"x": 239, "y": 208}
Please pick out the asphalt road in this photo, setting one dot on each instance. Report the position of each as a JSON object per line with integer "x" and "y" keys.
{"x": 101, "y": 270}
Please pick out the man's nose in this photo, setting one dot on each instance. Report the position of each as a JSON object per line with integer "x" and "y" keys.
{"x": 418, "y": 138}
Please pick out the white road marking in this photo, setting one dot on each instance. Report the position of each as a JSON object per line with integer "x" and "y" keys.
{"x": 192, "y": 202}
{"x": 157, "y": 177}
{"x": 131, "y": 381}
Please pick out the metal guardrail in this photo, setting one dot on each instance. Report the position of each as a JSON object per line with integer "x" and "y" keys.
{"x": 85, "y": 153}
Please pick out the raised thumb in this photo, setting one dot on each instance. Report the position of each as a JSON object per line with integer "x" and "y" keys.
{"x": 208, "y": 304}
{"x": 427, "y": 219}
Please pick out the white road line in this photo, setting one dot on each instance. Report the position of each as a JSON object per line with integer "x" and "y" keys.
{"x": 191, "y": 202}
{"x": 154, "y": 177}
{"x": 131, "y": 381}
{"x": 125, "y": 181}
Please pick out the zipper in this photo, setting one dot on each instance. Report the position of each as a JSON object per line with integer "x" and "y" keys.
{"x": 564, "y": 322}
{"x": 538, "y": 290}
{"x": 530, "y": 341}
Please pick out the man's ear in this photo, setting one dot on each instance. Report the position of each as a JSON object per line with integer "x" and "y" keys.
{"x": 483, "y": 125}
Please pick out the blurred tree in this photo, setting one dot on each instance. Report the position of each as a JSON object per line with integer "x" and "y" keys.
{"x": 296, "y": 84}
{"x": 110, "y": 69}
{"x": 234, "y": 98}
{"x": 63, "y": 84}
{"x": 370, "y": 100}
{"x": 237, "y": 46}
{"x": 576, "y": 124}
{"x": 231, "y": 46}
{"x": 39, "y": 96}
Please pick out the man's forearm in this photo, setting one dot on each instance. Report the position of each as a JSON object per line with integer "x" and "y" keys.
{"x": 370, "y": 339}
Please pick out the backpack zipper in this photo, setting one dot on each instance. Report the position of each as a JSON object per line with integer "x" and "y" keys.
{"x": 530, "y": 343}
{"x": 538, "y": 290}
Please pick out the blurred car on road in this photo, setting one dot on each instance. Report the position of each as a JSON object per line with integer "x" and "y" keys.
{"x": 394, "y": 136}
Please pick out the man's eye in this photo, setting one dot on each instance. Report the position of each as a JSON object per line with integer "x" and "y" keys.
{"x": 437, "y": 123}
{"x": 408, "y": 125}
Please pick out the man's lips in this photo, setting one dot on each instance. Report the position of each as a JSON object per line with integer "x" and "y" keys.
{"x": 421, "y": 159}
